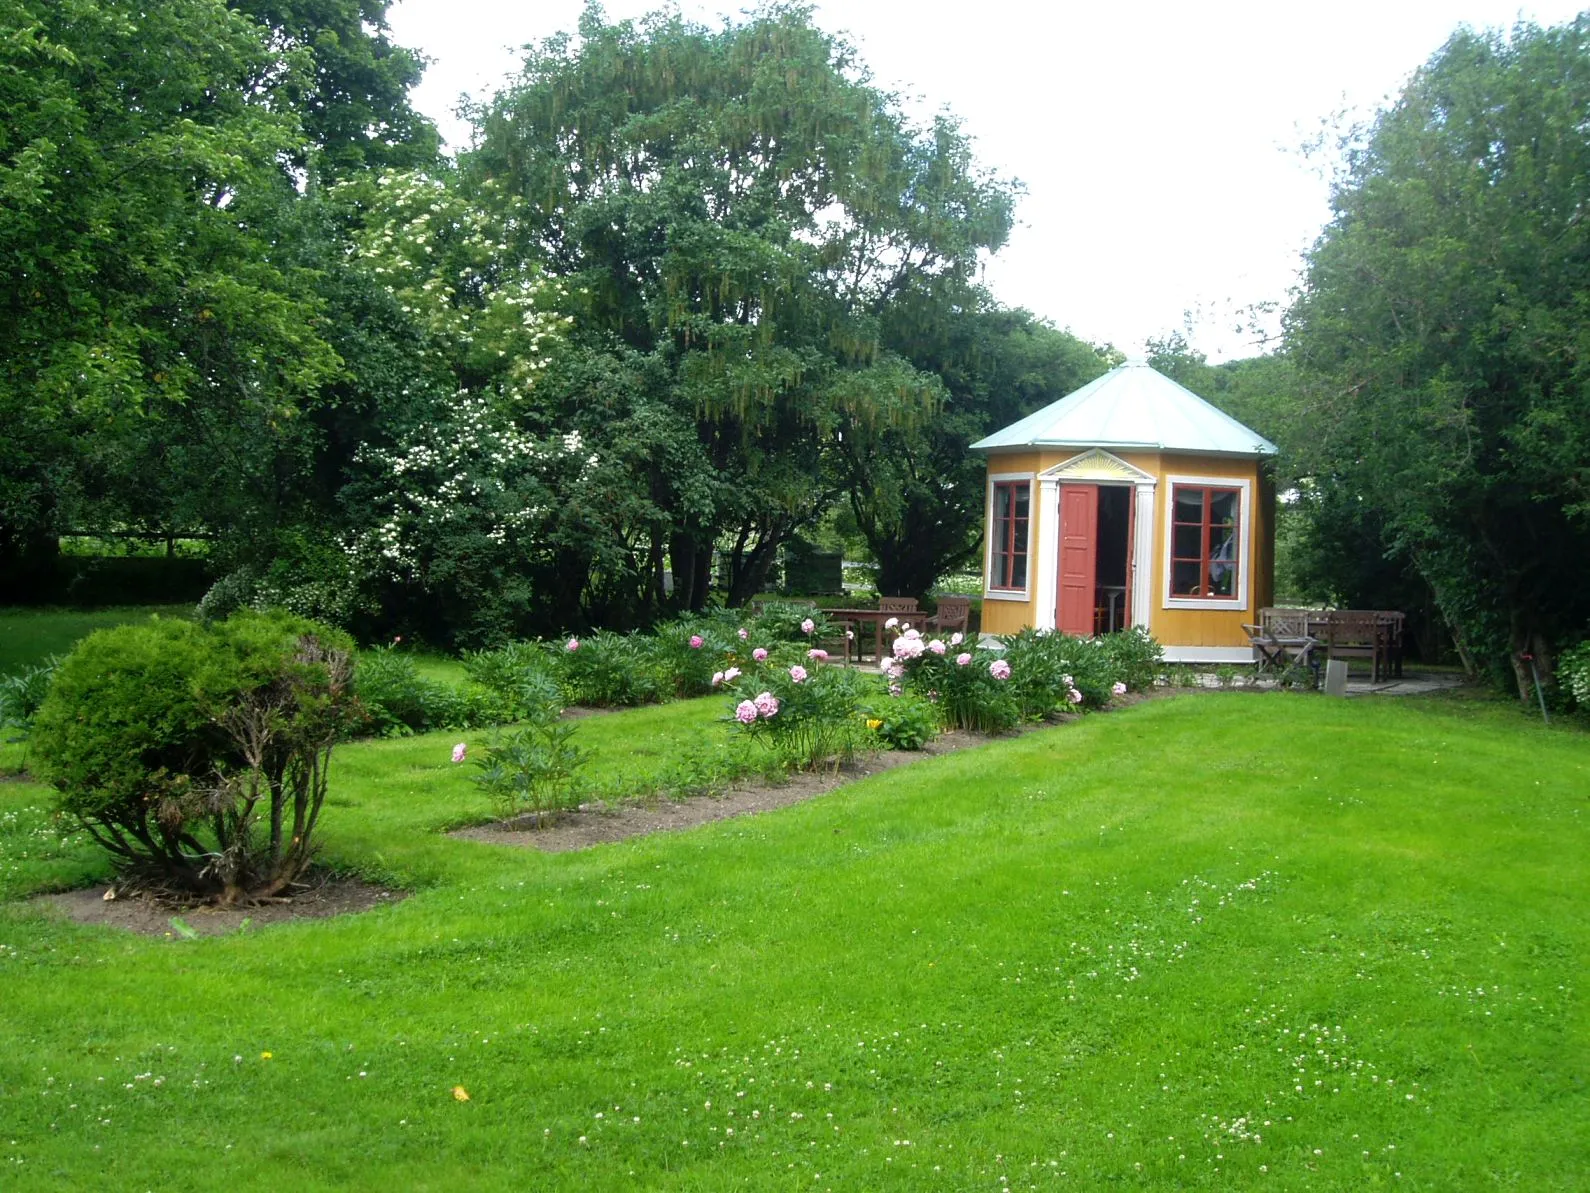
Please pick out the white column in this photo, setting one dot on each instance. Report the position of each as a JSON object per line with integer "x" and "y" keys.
{"x": 1047, "y": 522}
{"x": 1143, "y": 555}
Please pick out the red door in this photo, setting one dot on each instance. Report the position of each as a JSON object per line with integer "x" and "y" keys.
{"x": 1079, "y": 521}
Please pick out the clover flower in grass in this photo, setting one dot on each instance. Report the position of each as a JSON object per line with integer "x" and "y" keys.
{"x": 759, "y": 654}
{"x": 999, "y": 669}
{"x": 798, "y": 673}
{"x": 696, "y": 641}
{"x": 745, "y": 712}
{"x": 817, "y": 655}
{"x": 808, "y": 626}
{"x": 766, "y": 704}
{"x": 1118, "y": 688}
{"x": 962, "y": 659}
{"x": 937, "y": 646}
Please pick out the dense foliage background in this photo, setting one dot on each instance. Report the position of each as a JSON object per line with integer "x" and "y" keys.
{"x": 696, "y": 294}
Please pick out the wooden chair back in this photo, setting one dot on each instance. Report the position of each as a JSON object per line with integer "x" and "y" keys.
{"x": 896, "y": 604}
{"x": 954, "y": 613}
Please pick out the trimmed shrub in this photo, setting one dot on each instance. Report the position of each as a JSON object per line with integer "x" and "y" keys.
{"x": 198, "y": 754}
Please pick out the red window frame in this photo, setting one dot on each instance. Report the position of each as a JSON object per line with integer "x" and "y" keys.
{"x": 1010, "y": 528}
{"x": 1206, "y": 560}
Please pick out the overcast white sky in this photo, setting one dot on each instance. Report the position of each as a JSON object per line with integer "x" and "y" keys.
{"x": 1158, "y": 142}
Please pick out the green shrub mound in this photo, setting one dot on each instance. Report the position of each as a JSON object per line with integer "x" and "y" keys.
{"x": 197, "y": 754}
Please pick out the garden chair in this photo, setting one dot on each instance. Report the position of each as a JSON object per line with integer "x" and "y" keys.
{"x": 953, "y": 616}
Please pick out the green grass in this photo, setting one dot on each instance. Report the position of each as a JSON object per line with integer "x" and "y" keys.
{"x": 1215, "y": 941}
{"x": 30, "y": 635}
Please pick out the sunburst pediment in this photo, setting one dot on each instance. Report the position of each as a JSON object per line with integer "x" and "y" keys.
{"x": 1097, "y": 466}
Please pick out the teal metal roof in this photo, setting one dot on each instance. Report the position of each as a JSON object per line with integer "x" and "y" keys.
{"x": 1132, "y": 406}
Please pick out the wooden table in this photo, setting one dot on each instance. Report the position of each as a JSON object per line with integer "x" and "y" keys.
{"x": 873, "y": 617}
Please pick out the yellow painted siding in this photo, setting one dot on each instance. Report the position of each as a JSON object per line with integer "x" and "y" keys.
{"x": 1173, "y": 627}
{"x": 1206, "y": 627}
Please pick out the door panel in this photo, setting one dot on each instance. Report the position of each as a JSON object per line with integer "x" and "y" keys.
{"x": 1079, "y": 521}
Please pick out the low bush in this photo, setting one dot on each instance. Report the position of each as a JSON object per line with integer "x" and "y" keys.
{"x": 605, "y": 670}
{"x": 903, "y": 722}
{"x": 1058, "y": 673}
{"x": 1138, "y": 659}
{"x": 23, "y": 692}
{"x": 521, "y": 677}
{"x": 396, "y": 699}
{"x": 969, "y": 685}
{"x": 198, "y": 754}
{"x": 1573, "y": 675}
{"x": 530, "y": 770}
{"x": 806, "y": 712}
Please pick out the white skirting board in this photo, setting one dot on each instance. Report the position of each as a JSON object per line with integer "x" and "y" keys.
{"x": 1209, "y": 654}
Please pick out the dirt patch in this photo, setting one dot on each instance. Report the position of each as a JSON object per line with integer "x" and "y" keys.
{"x": 152, "y": 916}
{"x": 594, "y": 825}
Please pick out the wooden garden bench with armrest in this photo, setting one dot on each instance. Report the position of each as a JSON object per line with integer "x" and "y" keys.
{"x": 1360, "y": 634}
{"x": 954, "y": 615}
{"x": 1281, "y": 642}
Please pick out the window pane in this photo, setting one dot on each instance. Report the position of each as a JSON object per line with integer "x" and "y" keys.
{"x": 1187, "y": 540}
{"x": 1018, "y": 571}
{"x": 1023, "y": 493}
{"x": 1190, "y": 505}
{"x": 1184, "y": 579}
{"x": 1223, "y": 509}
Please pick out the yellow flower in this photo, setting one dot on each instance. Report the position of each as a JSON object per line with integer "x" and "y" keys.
{"x": 264, "y": 1055}
{"x": 874, "y": 724}
{"x": 460, "y": 1094}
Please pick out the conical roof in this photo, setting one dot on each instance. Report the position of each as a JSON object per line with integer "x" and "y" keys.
{"x": 1132, "y": 406}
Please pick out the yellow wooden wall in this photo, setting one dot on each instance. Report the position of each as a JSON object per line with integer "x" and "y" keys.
{"x": 1172, "y": 627}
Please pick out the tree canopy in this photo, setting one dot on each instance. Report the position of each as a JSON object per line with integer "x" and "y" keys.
{"x": 1442, "y": 342}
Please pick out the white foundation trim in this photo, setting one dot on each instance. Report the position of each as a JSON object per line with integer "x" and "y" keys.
{"x": 1209, "y": 654}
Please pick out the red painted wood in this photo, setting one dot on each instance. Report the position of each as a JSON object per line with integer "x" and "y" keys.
{"x": 1079, "y": 528}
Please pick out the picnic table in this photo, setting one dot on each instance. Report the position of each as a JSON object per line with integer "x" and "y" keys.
{"x": 1287, "y": 635}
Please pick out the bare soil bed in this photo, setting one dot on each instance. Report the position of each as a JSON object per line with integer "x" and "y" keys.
{"x": 152, "y": 916}
{"x": 596, "y": 825}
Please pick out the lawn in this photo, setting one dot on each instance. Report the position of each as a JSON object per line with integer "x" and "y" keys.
{"x": 1223, "y": 940}
{"x": 27, "y": 636}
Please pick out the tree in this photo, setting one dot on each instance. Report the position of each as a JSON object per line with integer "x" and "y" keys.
{"x": 916, "y": 491}
{"x": 740, "y": 207}
{"x": 140, "y": 170}
{"x": 1442, "y": 340}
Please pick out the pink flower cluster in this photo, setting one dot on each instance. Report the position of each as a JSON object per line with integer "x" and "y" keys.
{"x": 798, "y": 673}
{"x": 999, "y": 669}
{"x": 808, "y": 626}
{"x": 759, "y": 654}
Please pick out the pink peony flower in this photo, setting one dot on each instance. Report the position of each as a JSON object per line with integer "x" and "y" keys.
{"x": 744, "y": 633}
{"x": 759, "y": 654}
{"x": 894, "y": 689}
{"x": 937, "y": 647}
{"x": 1068, "y": 681}
{"x": 999, "y": 669}
{"x": 956, "y": 639}
{"x": 572, "y": 644}
{"x": 460, "y": 752}
{"x": 745, "y": 712}
{"x": 910, "y": 633}
{"x": 766, "y": 705}
{"x": 1118, "y": 688}
{"x": 1074, "y": 696}
{"x": 891, "y": 623}
{"x": 808, "y": 626}
{"x": 717, "y": 678}
{"x": 732, "y": 674}
{"x": 798, "y": 673}
{"x": 962, "y": 659}
{"x": 907, "y": 648}
{"x": 817, "y": 655}
{"x": 695, "y": 641}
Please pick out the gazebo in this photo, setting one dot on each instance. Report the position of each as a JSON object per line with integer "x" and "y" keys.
{"x": 1130, "y": 502}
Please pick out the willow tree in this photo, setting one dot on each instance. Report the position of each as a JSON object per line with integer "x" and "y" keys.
{"x": 1442, "y": 338}
{"x": 740, "y": 205}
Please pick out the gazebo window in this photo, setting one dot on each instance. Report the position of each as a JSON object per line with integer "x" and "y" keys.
{"x": 1008, "y": 557}
{"x": 1205, "y": 547}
